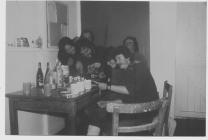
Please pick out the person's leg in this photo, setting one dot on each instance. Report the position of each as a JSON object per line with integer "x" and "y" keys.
{"x": 96, "y": 116}
{"x": 93, "y": 130}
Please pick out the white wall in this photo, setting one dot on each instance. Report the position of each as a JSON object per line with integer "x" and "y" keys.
{"x": 191, "y": 60}
{"x": 28, "y": 19}
{"x": 162, "y": 44}
{"x": 177, "y": 54}
{"x": 74, "y": 18}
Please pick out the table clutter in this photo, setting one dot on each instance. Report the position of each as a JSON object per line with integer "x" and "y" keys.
{"x": 59, "y": 79}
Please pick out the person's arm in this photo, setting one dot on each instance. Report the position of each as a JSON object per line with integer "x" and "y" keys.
{"x": 116, "y": 88}
{"x": 119, "y": 89}
{"x": 79, "y": 67}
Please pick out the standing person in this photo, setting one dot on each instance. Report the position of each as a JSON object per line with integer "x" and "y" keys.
{"x": 67, "y": 53}
{"x": 132, "y": 45}
{"x": 138, "y": 86}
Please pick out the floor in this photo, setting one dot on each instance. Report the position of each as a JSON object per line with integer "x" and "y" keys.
{"x": 190, "y": 127}
{"x": 184, "y": 127}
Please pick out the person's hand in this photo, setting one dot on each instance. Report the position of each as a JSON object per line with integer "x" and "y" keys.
{"x": 101, "y": 75}
{"x": 102, "y": 104}
{"x": 102, "y": 86}
{"x": 97, "y": 65}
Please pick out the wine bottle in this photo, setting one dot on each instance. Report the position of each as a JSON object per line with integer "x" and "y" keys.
{"x": 54, "y": 75}
{"x": 39, "y": 77}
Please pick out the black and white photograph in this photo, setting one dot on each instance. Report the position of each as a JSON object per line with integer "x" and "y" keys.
{"x": 105, "y": 68}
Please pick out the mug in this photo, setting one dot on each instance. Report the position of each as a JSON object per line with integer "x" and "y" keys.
{"x": 26, "y": 88}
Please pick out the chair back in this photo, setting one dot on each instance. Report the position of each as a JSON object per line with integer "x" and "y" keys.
{"x": 156, "y": 124}
{"x": 167, "y": 94}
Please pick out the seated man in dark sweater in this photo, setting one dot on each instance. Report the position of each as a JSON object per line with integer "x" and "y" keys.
{"x": 137, "y": 86}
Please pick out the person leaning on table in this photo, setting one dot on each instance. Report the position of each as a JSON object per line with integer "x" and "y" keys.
{"x": 67, "y": 53}
{"x": 137, "y": 86}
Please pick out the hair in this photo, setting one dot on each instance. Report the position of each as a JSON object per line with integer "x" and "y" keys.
{"x": 125, "y": 51}
{"x": 110, "y": 54}
{"x": 65, "y": 41}
{"x": 122, "y": 50}
{"x": 83, "y": 43}
{"x": 136, "y": 46}
{"x": 62, "y": 54}
{"x": 75, "y": 39}
{"x": 87, "y": 31}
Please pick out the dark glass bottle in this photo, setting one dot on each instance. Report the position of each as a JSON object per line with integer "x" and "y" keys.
{"x": 39, "y": 77}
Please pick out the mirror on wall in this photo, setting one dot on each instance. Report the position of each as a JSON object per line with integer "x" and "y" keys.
{"x": 57, "y": 22}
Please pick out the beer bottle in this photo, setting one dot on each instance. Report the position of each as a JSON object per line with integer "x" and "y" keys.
{"x": 39, "y": 77}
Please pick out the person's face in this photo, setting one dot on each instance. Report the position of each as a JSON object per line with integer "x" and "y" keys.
{"x": 70, "y": 49}
{"x": 122, "y": 61}
{"x": 129, "y": 43}
{"x": 87, "y": 52}
{"x": 88, "y": 36}
{"x": 112, "y": 63}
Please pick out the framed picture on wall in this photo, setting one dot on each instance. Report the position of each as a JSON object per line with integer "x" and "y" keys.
{"x": 57, "y": 22}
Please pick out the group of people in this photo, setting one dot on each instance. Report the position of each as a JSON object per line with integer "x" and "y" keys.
{"x": 77, "y": 53}
{"x": 131, "y": 80}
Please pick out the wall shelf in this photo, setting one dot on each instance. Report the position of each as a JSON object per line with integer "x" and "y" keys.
{"x": 30, "y": 49}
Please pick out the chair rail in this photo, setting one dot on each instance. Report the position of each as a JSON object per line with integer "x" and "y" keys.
{"x": 134, "y": 108}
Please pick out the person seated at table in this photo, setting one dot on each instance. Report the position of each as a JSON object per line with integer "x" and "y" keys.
{"x": 75, "y": 39}
{"x": 86, "y": 64}
{"x": 113, "y": 73}
{"x": 137, "y": 86}
{"x": 108, "y": 61}
{"x": 132, "y": 45}
{"x": 67, "y": 53}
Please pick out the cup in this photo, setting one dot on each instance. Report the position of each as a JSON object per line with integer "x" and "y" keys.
{"x": 74, "y": 88}
{"x": 87, "y": 84}
{"x": 47, "y": 89}
{"x": 26, "y": 88}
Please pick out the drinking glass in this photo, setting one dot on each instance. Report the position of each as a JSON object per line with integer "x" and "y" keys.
{"x": 26, "y": 88}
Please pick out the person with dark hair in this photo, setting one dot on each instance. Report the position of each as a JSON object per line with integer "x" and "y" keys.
{"x": 108, "y": 62}
{"x": 67, "y": 53}
{"x": 111, "y": 69}
{"x": 86, "y": 64}
{"x": 132, "y": 45}
{"x": 75, "y": 39}
{"x": 137, "y": 86}
{"x": 99, "y": 50}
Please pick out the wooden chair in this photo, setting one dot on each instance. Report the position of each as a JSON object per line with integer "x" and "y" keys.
{"x": 167, "y": 94}
{"x": 156, "y": 125}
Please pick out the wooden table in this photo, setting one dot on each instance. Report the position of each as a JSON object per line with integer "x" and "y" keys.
{"x": 37, "y": 102}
